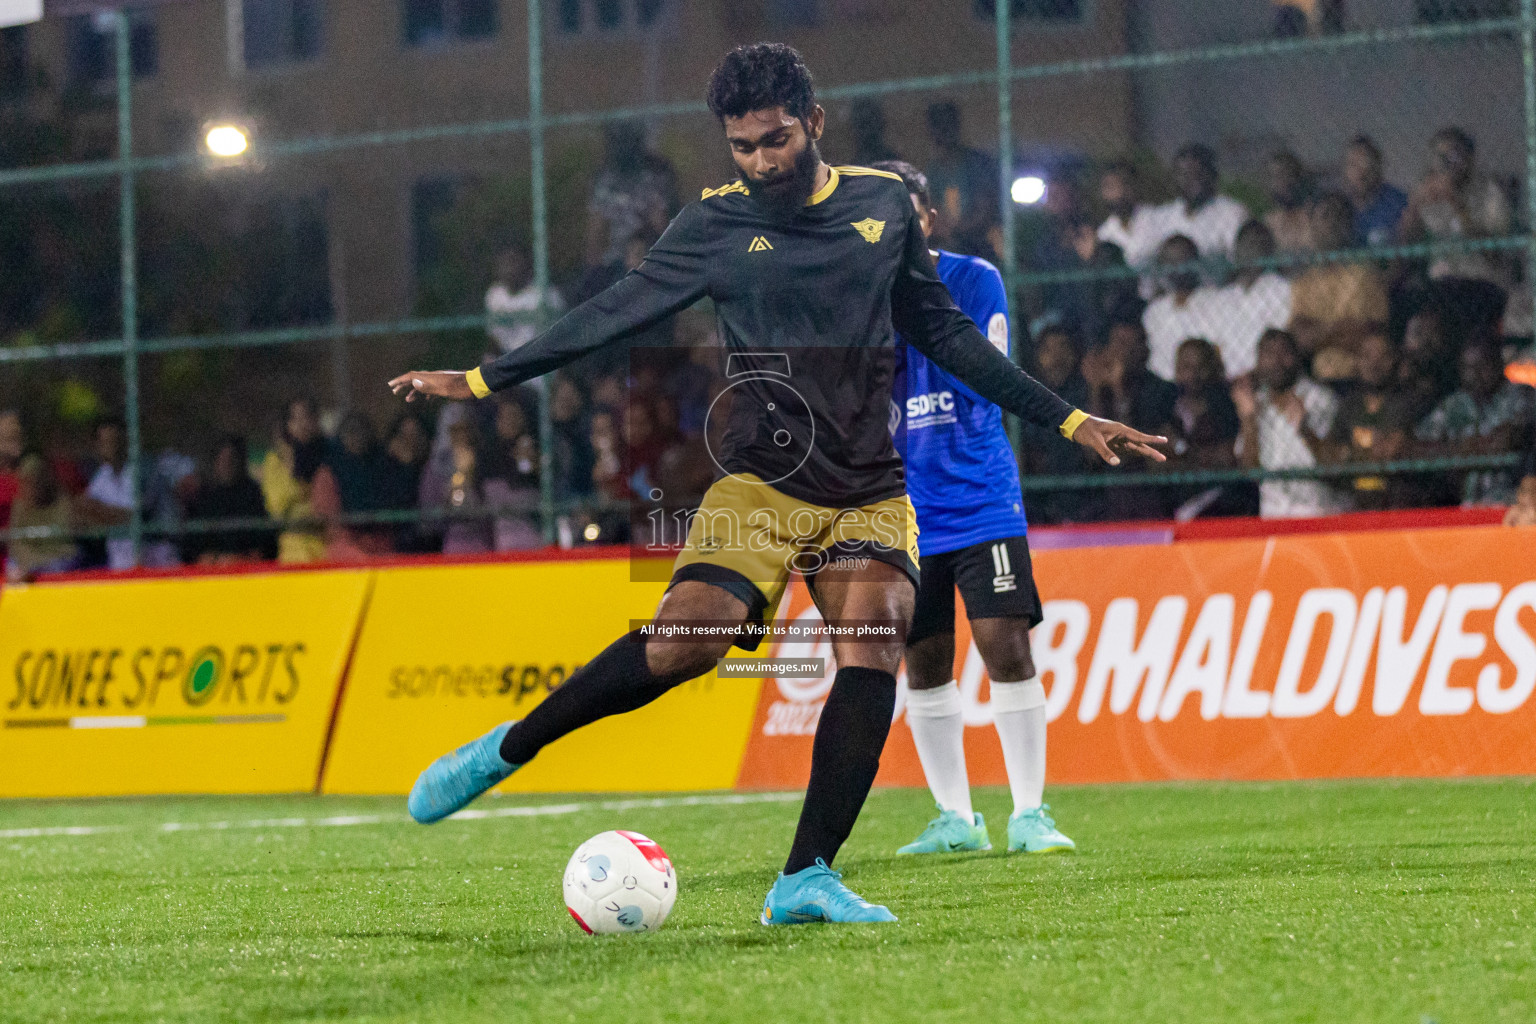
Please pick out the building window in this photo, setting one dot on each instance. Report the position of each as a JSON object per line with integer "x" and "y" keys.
{"x": 285, "y": 251}
{"x": 432, "y": 200}
{"x": 93, "y": 48}
{"x": 13, "y": 60}
{"x": 430, "y": 22}
{"x": 277, "y": 32}
{"x": 592, "y": 17}
{"x": 1058, "y": 12}
{"x": 1441, "y": 12}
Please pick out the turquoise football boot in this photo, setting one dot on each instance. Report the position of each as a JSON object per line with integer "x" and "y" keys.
{"x": 453, "y": 780}
{"x": 1034, "y": 831}
{"x": 817, "y": 893}
{"x": 951, "y": 833}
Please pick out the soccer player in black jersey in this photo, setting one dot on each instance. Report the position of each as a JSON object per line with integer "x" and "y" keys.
{"x": 811, "y": 268}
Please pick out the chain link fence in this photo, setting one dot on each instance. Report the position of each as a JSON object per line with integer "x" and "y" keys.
{"x": 228, "y": 219}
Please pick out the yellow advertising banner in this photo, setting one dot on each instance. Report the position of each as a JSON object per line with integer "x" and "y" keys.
{"x": 217, "y": 684}
{"x": 447, "y": 652}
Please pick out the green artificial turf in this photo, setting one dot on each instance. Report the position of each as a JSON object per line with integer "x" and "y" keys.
{"x": 1357, "y": 901}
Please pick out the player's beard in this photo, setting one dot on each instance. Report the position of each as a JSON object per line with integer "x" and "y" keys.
{"x": 782, "y": 196}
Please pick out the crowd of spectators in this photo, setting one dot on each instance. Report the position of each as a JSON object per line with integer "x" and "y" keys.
{"x": 357, "y": 492}
{"x": 1269, "y": 340}
{"x": 1244, "y": 335}
{"x": 335, "y": 485}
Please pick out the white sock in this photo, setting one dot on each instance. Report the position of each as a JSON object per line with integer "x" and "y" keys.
{"x": 938, "y": 729}
{"x": 1018, "y": 711}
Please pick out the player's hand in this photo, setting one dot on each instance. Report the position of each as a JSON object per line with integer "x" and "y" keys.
{"x": 1111, "y": 440}
{"x": 431, "y": 384}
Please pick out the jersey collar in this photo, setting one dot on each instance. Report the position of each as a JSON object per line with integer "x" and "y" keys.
{"x": 825, "y": 190}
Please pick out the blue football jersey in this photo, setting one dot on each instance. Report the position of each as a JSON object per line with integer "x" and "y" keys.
{"x": 961, "y": 473}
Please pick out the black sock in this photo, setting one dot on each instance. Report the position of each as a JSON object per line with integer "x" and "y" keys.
{"x": 844, "y": 759}
{"x": 616, "y": 681}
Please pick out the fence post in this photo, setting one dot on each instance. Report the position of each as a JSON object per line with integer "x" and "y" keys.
{"x": 1528, "y": 73}
{"x": 128, "y": 256}
{"x": 1003, "y": 10}
{"x": 540, "y": 257}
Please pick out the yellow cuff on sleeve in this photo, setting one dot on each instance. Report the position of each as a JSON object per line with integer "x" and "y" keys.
{"x": 476, "y": 381}
{"x": 1068, "y": 427}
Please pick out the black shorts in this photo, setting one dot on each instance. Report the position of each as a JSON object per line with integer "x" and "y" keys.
{"x": 995, "y": 579}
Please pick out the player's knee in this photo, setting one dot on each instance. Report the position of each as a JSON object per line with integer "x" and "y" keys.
{"x": 880, "y": 655}
{"x": 890, "y": 611}
{"x": 1006, "y": 655}
{"x": 683, "y": 660}
{"x": 1010, "y": 668}
{"x": 930, "y": 662}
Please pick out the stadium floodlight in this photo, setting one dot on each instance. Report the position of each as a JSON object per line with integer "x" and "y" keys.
{"x": 1028, "y": 189}
{"x": 20, "y": 12}
{"x": 227, "y": 141}
{"x": 592, "y": 532}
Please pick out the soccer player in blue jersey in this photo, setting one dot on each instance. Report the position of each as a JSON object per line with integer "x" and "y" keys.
{"x": 964, "y": 483}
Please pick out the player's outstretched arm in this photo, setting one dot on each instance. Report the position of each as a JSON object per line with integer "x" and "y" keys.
{"x": 671, "y": 278}
{"x": 1111, "y": 439}
{"x": 452, "y": 384}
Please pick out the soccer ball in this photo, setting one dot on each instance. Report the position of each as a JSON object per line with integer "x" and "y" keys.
{"x": 619, "y": 882}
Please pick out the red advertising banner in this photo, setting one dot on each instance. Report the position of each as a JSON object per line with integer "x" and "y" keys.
{"x": 1303, "y": 656}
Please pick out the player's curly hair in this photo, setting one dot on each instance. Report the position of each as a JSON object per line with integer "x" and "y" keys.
{"x": 761, "y": 76}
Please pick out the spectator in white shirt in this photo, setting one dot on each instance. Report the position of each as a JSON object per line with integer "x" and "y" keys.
{"x": 1256, "y": 300}
{"x": 512, "y": 301}
{"x": 108, "y": 499}
{"x": 1456, "y": 200}
{"x": 1209, "y": 219}
{"x": 1131, "y": 224}
{"x": 1284, "y": 423}
{"x": 1186, "y": 309}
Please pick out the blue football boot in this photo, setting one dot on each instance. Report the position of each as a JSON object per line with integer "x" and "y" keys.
{"x": 1035, "y": 831}
{"x": 817, "y": 893}
{"x": 951, "y": 833}
{"x": 453, "y": 780}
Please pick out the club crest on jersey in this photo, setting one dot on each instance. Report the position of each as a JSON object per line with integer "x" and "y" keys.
{"x": 870, "y": 228}
{"x": 759, "y": 244}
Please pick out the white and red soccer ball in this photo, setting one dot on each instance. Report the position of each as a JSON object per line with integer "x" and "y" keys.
{"x": 619, "y": 882}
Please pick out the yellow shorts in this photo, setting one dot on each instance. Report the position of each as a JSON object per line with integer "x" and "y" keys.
{"x": 748, "y": 537}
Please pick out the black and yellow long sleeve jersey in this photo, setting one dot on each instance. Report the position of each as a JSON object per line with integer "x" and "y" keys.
{"x": 807, "y": 307}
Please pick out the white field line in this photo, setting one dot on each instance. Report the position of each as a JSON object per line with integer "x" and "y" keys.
{"x": 472, "y": 814}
